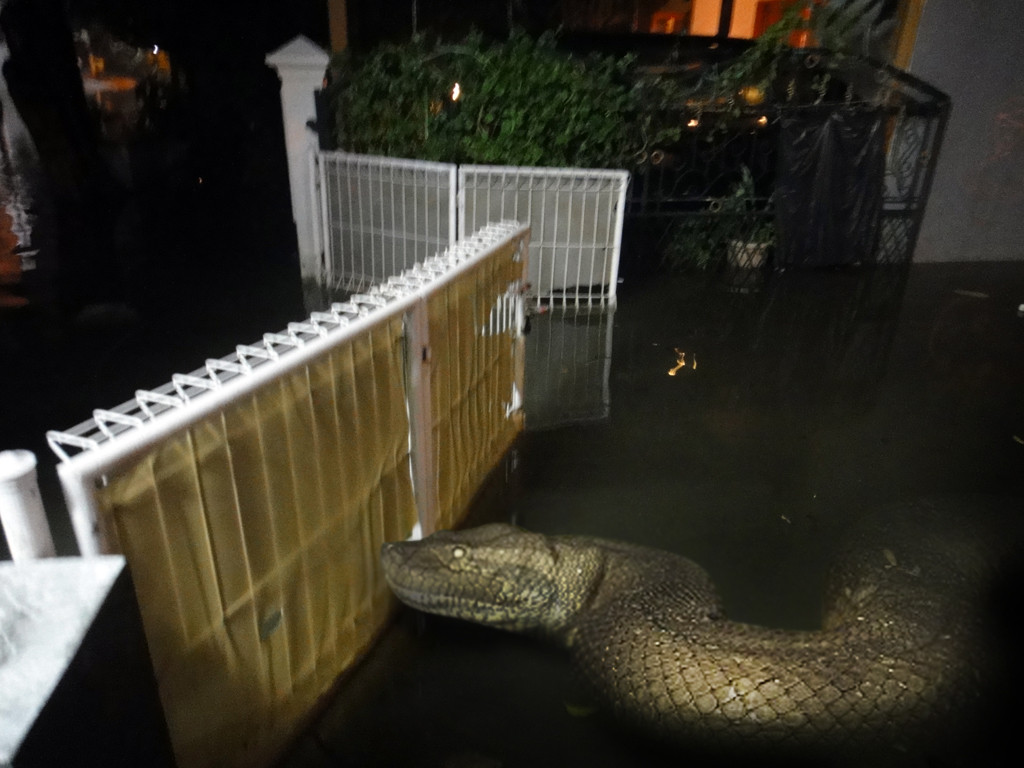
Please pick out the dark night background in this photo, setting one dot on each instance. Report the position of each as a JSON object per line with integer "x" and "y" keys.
{"x": 200, "y": 203}
{"x": 201, "y": 199}
{"x": 159, "y": 249}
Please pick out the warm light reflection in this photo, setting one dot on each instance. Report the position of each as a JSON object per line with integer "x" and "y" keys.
{"x": 762, "y": 120}
{"x": 681, "y": 362}
{"x": 456, "y": 92}
{"x": 693, "y": 122}
{"x": 752, "y": 95}
{"x": 666, "y": 22}
{"x": 129, "y": 86}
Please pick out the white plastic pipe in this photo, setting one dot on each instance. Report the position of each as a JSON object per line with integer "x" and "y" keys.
{"x": 21, "y": 508}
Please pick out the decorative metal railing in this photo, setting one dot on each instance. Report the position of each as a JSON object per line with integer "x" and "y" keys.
{"x": 688, "y": 179}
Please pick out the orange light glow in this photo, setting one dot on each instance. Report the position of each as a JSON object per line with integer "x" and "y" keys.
{"x": 681, "y": 363}
{"x": 666, "y": 22}
{"x": 752, "y": 94}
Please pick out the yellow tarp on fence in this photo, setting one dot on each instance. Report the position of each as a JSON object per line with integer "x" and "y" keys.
{"x": 252, "y": 517}
{"x": 475, "y": 353}
{"x": 253, "y": 540}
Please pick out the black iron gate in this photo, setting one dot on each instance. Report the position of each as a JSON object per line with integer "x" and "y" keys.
{"x": 843, "y": 180}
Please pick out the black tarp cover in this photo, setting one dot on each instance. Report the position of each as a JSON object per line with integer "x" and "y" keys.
{"x": 830, "y": 186}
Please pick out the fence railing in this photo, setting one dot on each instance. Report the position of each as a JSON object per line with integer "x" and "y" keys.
{"x": 380, "y": 214}
{"x": 684, "y": 182}
{"x": 251, "y": 497}
{"x": 575, "y": 217}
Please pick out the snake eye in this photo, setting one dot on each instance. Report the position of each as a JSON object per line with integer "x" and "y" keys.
{"x": 458, "y": 552}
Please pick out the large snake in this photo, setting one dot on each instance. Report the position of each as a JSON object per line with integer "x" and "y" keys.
{"x": 897, "y": 650}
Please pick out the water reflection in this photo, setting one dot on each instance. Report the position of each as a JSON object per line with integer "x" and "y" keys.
{"x": 18, "y": 160}
{"x": 806, "y": 339}
{"x": 568, "y": 362}
{"x": 816, "y": 398}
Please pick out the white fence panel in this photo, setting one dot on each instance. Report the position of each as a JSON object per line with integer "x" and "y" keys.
{"x": 251, "y": 497}
{"x": 381, "y": 215}
{"x": 575, "y": 217}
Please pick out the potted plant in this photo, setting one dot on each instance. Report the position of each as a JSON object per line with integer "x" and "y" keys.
{"x": 692, "y": 243}
{"x": 733, "y": 227}
{"x": 752, "y": 229}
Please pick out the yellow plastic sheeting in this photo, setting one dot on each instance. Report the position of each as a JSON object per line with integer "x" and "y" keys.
{"x": 253, "y": 541}
{"x": 475, "y": 363}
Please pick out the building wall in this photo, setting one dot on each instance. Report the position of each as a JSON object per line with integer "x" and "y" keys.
{"x": 704, "y": 17}
{"x": 972, "y": 50}
{"x": 744, "y": 13}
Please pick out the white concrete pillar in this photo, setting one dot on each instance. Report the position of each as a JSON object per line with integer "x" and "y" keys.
{"x": 21, "y": 508}
{"x": 301, "y": 65}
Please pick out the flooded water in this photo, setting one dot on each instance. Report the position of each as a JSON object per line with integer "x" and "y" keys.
{"x": 743, "y": 425}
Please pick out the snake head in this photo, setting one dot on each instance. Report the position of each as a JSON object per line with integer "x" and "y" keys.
{"x": 497, "y": 575}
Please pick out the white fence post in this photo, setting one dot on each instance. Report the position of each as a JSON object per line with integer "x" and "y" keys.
{"x": 21, "y": 508}
{"x": 301, "y": 65}
{"x": 424, "y": 462}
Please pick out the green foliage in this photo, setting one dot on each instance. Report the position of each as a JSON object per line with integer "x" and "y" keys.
{"x": 521, "y": 102}
{"x": 851, "y": 26}
{"x": 695, "y": 242}
{"x": 758, "y": 66}
{"x": 524, "y": 102}
{"x": 841, "y": 27}
{"x": 382, "y": 103}
{"x": 743, "y": 207}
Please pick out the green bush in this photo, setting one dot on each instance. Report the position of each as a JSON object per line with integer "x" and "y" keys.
{"x": 524, "y": 102}
{"x": 521, "y": 102}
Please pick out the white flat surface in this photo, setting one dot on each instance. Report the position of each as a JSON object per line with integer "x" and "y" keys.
{"x": 46, "y": 607}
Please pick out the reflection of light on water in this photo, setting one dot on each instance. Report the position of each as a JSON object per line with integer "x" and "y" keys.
{"x": 96, "y": 86}
{"x": 681, "y": 363}
{"x": 456, "y": 92}
{"x": 128, "y": 85}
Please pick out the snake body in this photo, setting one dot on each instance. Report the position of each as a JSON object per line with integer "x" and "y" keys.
{"x": 897, "y": 649}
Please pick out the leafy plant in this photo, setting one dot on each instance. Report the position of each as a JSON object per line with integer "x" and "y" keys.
{"x": 698, "y": 241}
{"x": 851, "y": 26}
{"x": 840, "y": 27}
{"x": 694, "y": 242}
{"x": 389, "y": 102}
{"x": 753, "y": 72}
{"x": 520, "y": 102}
{"x": 524, "y": 102}
{"x": 741, "y": 208}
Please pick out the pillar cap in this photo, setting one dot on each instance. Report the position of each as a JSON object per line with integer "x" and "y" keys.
{"x": 299, "y": 53}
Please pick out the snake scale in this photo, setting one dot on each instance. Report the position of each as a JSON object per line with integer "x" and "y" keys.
{"x": 898, "y": 648}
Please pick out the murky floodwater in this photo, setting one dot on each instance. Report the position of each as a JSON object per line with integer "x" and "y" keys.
{"x": 743, "y": 428}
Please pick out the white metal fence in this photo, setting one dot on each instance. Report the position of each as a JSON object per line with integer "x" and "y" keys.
{"x": 251, "y": 496}
{"x": 575, "y": 217}
{"x": 380, "y": 214}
